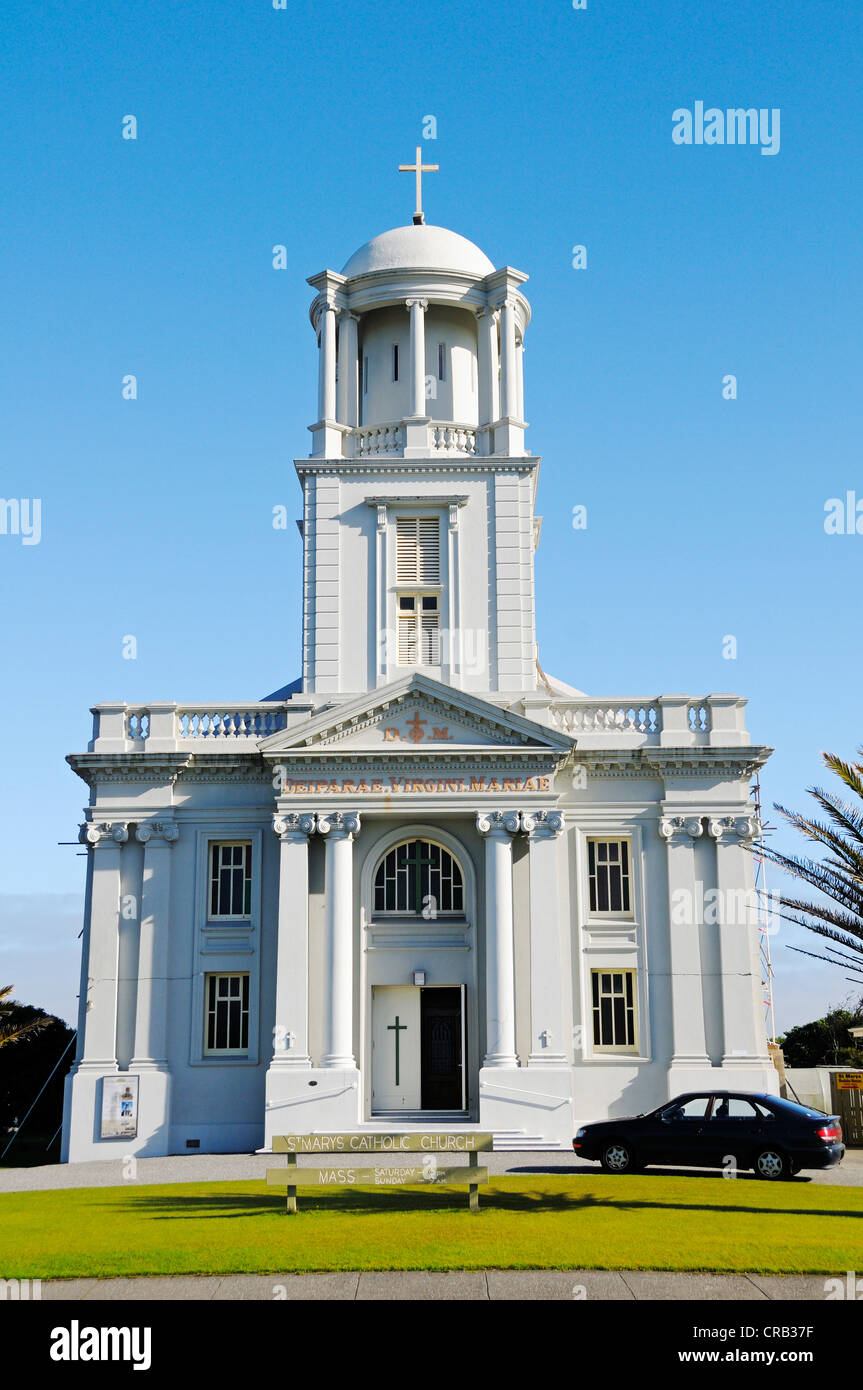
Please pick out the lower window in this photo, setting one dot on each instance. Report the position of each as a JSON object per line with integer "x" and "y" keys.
{"x": 613, "y": 1002}
{"x": 226, "y": 1030}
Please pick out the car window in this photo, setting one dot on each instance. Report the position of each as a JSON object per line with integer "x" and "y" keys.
{"x": 735, "y": 1108}
{"x": 692, "y": 1109}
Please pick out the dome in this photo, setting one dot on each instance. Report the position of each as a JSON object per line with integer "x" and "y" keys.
{"x": 419, "y": 247}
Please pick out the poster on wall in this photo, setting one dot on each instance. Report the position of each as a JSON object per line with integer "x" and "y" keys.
{"x": 119, "y": 1107}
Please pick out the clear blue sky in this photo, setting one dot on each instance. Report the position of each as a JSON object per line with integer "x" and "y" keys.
{"x": 259, "y": 126}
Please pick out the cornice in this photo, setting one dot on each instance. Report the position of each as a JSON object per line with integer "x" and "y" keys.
{"x": 127, "y": 767}
{"x": 399, "y": 467}
{"x": 671, "y": 762}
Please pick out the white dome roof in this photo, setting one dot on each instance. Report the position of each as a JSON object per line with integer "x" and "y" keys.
{"x": 419, "y": 248}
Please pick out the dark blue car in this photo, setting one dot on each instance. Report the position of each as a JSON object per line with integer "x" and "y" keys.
{"x": 713, "y": 1129}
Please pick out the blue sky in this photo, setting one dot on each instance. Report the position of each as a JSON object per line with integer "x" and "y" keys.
{"x": 259, "y": 126}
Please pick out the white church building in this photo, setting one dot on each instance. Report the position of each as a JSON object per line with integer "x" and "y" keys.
{"x": 426, "y": 885}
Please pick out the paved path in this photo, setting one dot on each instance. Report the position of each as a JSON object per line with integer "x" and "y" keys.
{"x": 230, "y": 1167}
{"x": 461, "y": 1286}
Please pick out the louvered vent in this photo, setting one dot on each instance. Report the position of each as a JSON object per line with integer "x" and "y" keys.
{"x": 418, "y": 550}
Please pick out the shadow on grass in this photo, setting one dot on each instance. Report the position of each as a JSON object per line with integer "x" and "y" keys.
{"x": 580, "y": 1171}
{"x": 372, "y": 1203}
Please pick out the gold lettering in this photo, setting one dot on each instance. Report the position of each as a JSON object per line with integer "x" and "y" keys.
{"x": 377, "y": 786}
{"x": 391, "y": 735}
{"x": 477, "y": 784}
{"x": 299, "y": 786}
{"x": 543, "y": 784}
{"x": 494, "y": 785}
{"x": 431, "y": 785}
{"x": 347, "y": 786}
{"x": 362, "y": 786}
{"x": 509, "y": 784}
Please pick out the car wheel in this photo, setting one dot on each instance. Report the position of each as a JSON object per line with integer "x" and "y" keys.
{"x": 772, "y": 1165}
{"x": 617, "y": 1157}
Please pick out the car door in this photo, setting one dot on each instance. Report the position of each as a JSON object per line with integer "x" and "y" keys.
{"x": 679, "y": 1131}
{"x": 733, "y": 1129}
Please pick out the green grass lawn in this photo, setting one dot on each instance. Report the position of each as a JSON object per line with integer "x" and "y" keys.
{"x": 593, "y": 1221}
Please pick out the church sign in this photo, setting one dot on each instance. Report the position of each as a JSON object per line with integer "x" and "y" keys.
{"x": 408, "y": 786}
{"x": 348, "y": 1174}
{"x": 413, "y": 1142}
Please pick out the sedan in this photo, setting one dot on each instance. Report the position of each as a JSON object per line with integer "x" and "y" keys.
{"x": 773, "y": 1137}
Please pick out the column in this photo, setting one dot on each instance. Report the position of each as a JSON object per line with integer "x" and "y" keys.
{"x": 543, "y": 829}
{"x": 519, "y": 379}
{"x": 487, "y": 367}
{"x": 151, "y": 1014}
{"x": 508, "y": 363}
{"x": 347, "y": 413}
{"x": 327, "y": 363}
{"x": 339, "y": 827}
{"x": 106, "y": 840}
{"x": 291, "y": 1031}
{"x": 499, "y": 827}
{"x": 417, "y": 309}
{"x": 743, "y": 1029}
{"x": 689, "y": 1048}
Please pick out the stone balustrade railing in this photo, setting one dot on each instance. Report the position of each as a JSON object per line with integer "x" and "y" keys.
{"x": 664, "y": 721}
{"x": 444, "y": 436}
{"x": 454, "y": 439}
{"x": 370, "y": 441}
{"x": 165, "y": 727}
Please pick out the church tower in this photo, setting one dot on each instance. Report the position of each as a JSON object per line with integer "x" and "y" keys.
{"x": 418, "y": 498}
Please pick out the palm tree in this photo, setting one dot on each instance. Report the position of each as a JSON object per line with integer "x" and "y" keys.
{"x": 838, "y": 876}
{"x": 11, "y": 1032}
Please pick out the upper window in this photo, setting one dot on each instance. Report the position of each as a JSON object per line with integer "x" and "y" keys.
{"x": 395, "y": 361}
{"x": 419, "y": 879}
{"x": 441, "y": 361}
{"x": 418, "y": 550}
{"x": 609, "y": 877}
{"x": 231, "y": 878}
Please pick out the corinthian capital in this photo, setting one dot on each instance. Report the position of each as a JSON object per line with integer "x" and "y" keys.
{"x": 542, "y": 824}
{"x": 669, "y": 826}
{"x": 103, "y": 832}
{"x": 338, "y": 823}
{"x": 292, "y": 825}
{"x": 498, "y": 822}
{"x": 733, "y": 827}
{"x": 156, "y": 830}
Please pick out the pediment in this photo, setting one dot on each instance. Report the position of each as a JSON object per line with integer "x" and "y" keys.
{"x": 416, "y": 715}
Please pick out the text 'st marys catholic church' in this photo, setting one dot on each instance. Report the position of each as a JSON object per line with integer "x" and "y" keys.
{"x": 426, "y": 883}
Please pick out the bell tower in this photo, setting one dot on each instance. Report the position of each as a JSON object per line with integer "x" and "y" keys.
{"x": 418, "y": 523}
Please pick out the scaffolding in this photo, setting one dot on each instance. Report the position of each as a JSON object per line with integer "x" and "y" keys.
{"x": 763, "y": 912}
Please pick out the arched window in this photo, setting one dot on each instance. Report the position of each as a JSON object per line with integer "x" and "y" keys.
{"x": 419, "y": 877}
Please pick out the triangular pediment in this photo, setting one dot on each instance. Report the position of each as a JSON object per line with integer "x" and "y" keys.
{"x": 415, "y": 715}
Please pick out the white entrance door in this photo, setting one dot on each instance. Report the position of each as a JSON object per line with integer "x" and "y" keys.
{"x": 396, "y": 1070}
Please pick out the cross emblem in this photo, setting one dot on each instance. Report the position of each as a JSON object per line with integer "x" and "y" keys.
{"x": 417, "y": 863}
{"x": 397, "y": 1028}
{"x": 417, "y": 733}
{"x": 419, "y": 169}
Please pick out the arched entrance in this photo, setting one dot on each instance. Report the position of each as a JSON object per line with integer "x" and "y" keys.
{"x": 420, "y": 967}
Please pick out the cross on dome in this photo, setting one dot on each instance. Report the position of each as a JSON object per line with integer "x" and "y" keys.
{"x": 419, "y": 169}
